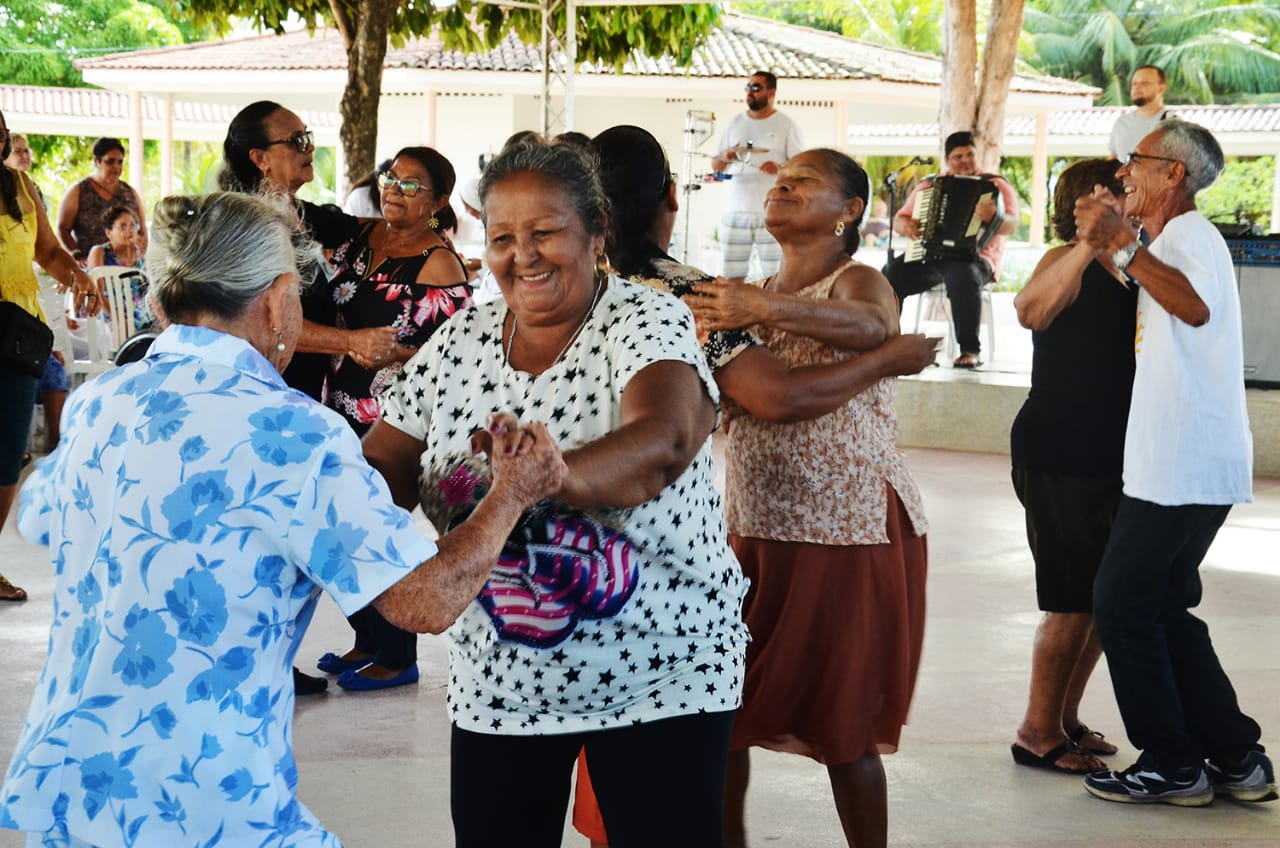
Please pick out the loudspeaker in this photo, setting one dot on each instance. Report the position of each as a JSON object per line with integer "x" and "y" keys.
{"x": 1260, "y": 314}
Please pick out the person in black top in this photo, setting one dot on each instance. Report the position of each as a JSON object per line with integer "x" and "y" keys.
{"x": 1068, "y": 450}
{"x": 268, "y": 149}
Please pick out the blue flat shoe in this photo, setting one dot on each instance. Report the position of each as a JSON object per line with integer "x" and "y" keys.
{"x": 332, "y": 663}
{"x": 353, "y": 681}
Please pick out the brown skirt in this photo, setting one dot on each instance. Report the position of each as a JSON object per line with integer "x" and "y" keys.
{"x": 836, "y": 636}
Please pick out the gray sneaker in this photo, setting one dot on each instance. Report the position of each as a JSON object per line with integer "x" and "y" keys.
{"x": 1254, "y": 779}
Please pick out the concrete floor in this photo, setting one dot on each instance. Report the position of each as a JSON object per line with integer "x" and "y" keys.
{"x": 374, "y": 766}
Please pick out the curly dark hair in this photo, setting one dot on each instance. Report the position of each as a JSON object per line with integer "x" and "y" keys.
{"x": 1076, "y": 182}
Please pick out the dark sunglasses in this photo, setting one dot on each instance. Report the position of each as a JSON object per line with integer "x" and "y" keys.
{"x": 406, "y": 187}
{"x": 753, "y": 86}
{"x": 1132, "y": 157}
{"x": 303, "y": 141}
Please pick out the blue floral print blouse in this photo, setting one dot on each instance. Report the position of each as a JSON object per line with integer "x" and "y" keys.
{"x": 194, "y": 510}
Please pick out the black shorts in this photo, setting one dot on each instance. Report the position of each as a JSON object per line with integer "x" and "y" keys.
{"x": 1068, "y": 522}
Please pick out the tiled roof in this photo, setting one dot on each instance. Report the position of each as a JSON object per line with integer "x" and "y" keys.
{"x": 1098, "y": 122}
{"x": 740, "y": 45}
{"x": 81, "y": 102}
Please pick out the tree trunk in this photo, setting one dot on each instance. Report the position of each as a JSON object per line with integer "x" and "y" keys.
{"x": 997, "y": 73}
{"x": 959, "y": 107}
{"x": 364, "y": 27}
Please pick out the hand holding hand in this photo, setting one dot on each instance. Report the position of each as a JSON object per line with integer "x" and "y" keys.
{"x": 525, "y": 460}
{"x": 373, "y": 347}
{"x": 1100, "y": 222}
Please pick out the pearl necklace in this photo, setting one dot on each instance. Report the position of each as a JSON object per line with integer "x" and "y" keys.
{"x": 515, "y": 319}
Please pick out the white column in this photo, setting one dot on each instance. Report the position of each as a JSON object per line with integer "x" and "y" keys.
{"x": 136, "y": 152}
{"x": 1040, "y": 179}
{"x": 428, "y": 119}
{"x": 166, "y": 145}
{"x": 842, "y": 126}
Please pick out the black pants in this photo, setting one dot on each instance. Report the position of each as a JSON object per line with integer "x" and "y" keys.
{"x": 1176, "y": 701}
{"x": 964, "y": 280}
{"x": 658, "y": 783}
{"x": 392, "y": 647}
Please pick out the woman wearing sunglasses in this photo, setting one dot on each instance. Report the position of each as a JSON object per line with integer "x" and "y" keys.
{"x": 80, "y": 214}
{"x": 269, "y": 150}
{"x": 398, "y": 272}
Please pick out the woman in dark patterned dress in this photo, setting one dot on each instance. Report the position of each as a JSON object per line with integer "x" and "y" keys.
{"x": 397, "y": 272}
{"x": 80, "y": 212}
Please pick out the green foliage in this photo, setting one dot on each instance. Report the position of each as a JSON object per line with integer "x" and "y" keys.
{"x": 912, "y": 24}
{"x": 1241, "y": 193}
{"x": 1211, "y": 50}
{"x": 40, "y": 40}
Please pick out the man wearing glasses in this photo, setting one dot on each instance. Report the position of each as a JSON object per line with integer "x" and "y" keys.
{"x": 1146, "y": 92}
{"x": 1187, "y": 458}
{"x": 753, "y": 146}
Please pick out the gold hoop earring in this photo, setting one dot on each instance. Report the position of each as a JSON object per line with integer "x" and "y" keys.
{"x": 602, "y": 266}
{"x": 839, "y": 228}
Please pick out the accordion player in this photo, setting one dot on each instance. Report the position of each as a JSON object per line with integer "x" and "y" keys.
{"x": 946, "y": 210}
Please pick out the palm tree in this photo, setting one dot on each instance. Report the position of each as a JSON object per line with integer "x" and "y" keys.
{"x": 1210, "y": 50}
{"x": 912, "y": 24}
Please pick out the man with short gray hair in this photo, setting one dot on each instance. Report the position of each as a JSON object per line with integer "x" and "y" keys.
{"x": 1188, "y": 457}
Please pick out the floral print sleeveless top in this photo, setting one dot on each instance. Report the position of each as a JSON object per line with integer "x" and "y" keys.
{"x": 822, "y": 480}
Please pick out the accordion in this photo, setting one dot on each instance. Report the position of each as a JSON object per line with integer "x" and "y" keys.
{"x": 949, "y": 224}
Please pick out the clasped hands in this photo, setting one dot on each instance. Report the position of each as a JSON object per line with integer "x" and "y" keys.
{"x": 376, "y": 347}
{"x": 1101, "y": 222}
{"x": 524, "y": 459}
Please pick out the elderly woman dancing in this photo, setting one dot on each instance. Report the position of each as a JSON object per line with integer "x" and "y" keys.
{"x": 823, "y": 514}
{"x": 195, "y": 510}
{"x": 611, "y": 621}
{"x": 1067, "y": 446}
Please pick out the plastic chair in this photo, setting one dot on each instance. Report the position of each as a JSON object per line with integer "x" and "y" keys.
{"x": 117, "y": 287}
{"x": 936, "y": 300}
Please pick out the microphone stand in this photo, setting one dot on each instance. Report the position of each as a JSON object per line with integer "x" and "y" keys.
{"x": 891, "y": 183}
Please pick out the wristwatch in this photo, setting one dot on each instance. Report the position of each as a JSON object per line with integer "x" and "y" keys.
{"x": 1122, "y": 257}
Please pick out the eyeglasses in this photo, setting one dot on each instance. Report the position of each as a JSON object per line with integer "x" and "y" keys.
{"x": 1132, "y": 157}
{"x": 753, "y": 86}
{"x": 303, "y": 141}
{"x": 114, "y": 161}
{"x": 406, "y": 187}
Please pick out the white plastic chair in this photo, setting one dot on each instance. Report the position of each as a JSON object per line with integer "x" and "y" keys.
{"x": 117, "y": 286}
{"x": 935, "y": 300}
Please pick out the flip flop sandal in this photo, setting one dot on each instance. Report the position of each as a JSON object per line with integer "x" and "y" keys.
{"x": 10, "y": 592}
{"x": 1049, "y": 761}
{"x": 1077, "y": 736}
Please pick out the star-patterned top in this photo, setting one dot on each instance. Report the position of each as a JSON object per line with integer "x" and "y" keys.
{"x": 821, "y": 480}
{"x": 195, "y": 508}
{"x": 585, "y": 653}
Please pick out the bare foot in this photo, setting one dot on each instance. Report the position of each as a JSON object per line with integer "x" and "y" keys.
{"x": 10, "y": 592}
{"x": 1092, "y": 741}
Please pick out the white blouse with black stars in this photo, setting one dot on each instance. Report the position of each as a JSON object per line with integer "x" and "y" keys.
{"x": 599, "y": 626}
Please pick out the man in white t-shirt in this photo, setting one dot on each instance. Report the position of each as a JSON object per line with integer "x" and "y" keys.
{"x": 1188, "y": 457}
{"x": 753, "y": 146}
{"x": 1146, "y": 92}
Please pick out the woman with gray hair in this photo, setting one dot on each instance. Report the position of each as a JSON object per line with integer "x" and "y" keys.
{"x": 611, "y": 622}
{"x": 196, "y": 508}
